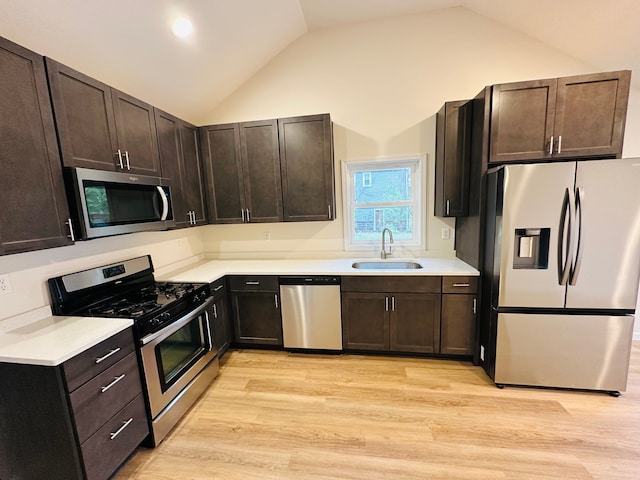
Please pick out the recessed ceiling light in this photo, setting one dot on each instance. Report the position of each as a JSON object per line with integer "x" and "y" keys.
{"x": 182, "y": 27}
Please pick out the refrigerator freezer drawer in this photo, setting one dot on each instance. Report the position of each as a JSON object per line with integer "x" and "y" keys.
{"x": 568, "y": 351}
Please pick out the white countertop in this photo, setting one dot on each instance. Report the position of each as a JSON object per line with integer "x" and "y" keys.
{"x": 51, "y": 340}
{"x": 207, "y": 271}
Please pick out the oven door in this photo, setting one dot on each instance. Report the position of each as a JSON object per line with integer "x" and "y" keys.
{"x": 173, "y": 357}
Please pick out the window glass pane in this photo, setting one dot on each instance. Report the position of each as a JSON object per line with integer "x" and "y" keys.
{"x": 370, "y": 221}
{"x": 375, "y": 186}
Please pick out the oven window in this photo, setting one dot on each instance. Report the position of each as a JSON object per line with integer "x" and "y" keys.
{"x": 179, "y": 351}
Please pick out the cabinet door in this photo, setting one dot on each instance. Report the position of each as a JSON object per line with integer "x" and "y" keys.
{"x": 136, "y": 131}
{"x": 192, "y": 177}
{"x": 453, "y": 159}
{"x": 261, "y": 170}
{"x": 365, "y": 321}
{"x": 34, "y": 206}
{"x": 169, "y": 147}
{"x": 590, "y": 114}
{"x": 222, "y": 327}
{"x": 522, "y": 116}
{"x": 257, "y": 318}
{"x": 306, "y": 159}
{"x": 220, "y": 148}
{"x": 414, "y": 322}
{"x": 458, "y": 329}
{"x": 84, "y": 116}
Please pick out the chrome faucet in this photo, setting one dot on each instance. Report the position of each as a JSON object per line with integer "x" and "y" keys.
{"x": 383, "y": 252}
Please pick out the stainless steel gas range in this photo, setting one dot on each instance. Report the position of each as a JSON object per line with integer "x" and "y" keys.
{"x": 172, "y": 329}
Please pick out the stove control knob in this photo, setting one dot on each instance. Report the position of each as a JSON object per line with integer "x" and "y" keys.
{"x": 164, "y": 317}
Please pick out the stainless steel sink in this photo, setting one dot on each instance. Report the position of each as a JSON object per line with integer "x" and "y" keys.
{"x": 404, "y": 265}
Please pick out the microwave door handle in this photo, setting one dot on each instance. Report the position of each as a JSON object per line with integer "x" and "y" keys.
{"x": 165, "y": 203}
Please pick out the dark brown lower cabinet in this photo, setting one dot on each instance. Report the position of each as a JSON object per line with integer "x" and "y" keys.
{"x": 414, "y": 322}
{"x": 222, "y": 325}
{"x": 458, "y": 332}
{"x": 79, "y": 420}
{"x": 365, "y": 321}
{"x": 397, "y": 322}
{"x": 255, "y": 303}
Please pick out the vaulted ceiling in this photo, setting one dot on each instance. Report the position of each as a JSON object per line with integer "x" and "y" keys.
{"x": 128, "y": 43}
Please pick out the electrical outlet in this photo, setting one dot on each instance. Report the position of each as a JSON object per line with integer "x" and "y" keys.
{"x": 5, "y": 285}
{"x": 267, "y": 236}
{"x": 179, "y": 243}
{"x": 445, "y": 233}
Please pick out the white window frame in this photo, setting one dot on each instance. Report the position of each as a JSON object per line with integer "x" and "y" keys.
{"x": 416, "y": 164}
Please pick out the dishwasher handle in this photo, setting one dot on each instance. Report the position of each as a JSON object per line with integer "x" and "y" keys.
{"x": 315, "y": 280}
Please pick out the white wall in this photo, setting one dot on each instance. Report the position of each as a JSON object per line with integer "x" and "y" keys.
{"x": 28, "y": 272}
{"x": 382, "y": 82}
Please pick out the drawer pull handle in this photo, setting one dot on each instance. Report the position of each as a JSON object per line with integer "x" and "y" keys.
{"x": 115, "y": 380}
{"x": 218, "y": 288}
{"x": 460, "y": 284}
{"x": 113, "y": 435}
{"x": 252, "y": 283}
{"x": 112, "y": 352}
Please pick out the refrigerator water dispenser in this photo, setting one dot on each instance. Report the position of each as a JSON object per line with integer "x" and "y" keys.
{"x": 531, "y": 248}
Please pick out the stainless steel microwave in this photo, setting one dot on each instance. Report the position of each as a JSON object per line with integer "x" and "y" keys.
{"x": 112, "y": 203}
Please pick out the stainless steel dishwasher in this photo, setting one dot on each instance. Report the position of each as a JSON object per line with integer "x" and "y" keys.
{"x": 311, "y": 313}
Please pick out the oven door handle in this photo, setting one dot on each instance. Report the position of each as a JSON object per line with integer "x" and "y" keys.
{"x": 178, "y": 324}
{"x": 206, "y": 316}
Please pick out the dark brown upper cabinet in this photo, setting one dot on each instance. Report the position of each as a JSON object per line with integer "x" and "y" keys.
{"x": 34, "y": 207}
{"x": 180, "y": 161}
{"x": 100, "y": 127}
{"x": 242, "y": 167}
{"x": 269, "y": 170}
{"x": 453, "y": 159}
{"x": 569, "y": 117}
{"x": 306, "y": 160}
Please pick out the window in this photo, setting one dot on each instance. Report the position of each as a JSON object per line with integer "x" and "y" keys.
{"x": 366, "y": 179}
{"x": 383, "y": 194}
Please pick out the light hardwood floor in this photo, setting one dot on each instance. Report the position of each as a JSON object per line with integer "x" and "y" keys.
{"x": 273, "y": 415}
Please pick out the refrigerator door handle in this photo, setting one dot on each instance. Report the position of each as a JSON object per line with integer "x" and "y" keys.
{"x": 565, "y": 237}
{"x": 575, "y": 268}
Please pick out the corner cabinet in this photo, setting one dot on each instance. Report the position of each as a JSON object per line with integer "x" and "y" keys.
{"x": 100, "y": 127}
{"x": 78, "y": 420}
{"x": 34, "y": 207}
{"x": 397, "y": 314}
{"x": 242, "y": 168}
{"x": 269, "y": 170}
{"x": 453, "y": 159}
{"x": 306, "y": 160}
{"x": 255, "y": 303}
{"x": 180, "y": 160}
{"x": 570, "y": 117}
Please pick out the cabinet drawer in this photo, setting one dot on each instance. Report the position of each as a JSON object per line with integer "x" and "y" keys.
{"x": 97, "y": 359}
{"x": 391, "y": 284}
{"x": 110, "y": 446}
{"x": 459, "y": 284}
{"x": 99, "y": 399}
{"x": 217, "y": 287}
{"x": 253, "y": 283}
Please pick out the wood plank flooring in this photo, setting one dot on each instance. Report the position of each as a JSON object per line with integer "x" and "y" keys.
{"x": 274, "y": 415}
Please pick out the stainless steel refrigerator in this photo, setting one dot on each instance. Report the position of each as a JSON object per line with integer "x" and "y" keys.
{"x": 560, "y": 276}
